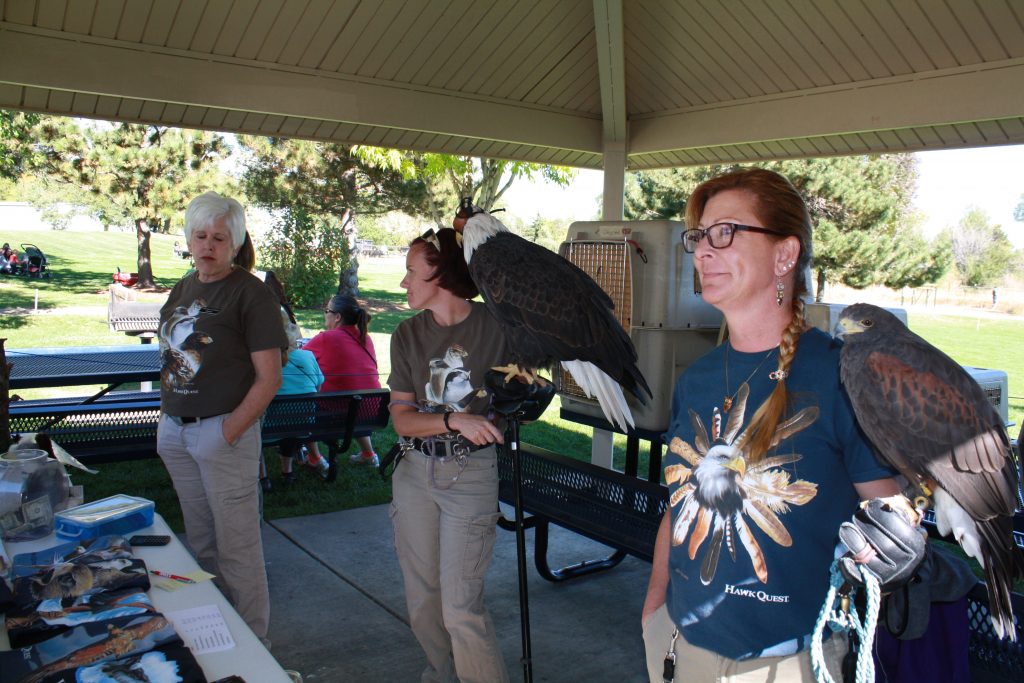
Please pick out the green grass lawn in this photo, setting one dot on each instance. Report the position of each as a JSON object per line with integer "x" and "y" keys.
{"x": 73, "y": 312}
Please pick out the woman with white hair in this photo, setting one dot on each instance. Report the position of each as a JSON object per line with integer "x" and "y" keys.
{"x": 221, "y": 340}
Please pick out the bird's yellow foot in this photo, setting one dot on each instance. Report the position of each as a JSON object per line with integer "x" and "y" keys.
{"x": 513, "y": 371}
{"x": 903, "y": 504}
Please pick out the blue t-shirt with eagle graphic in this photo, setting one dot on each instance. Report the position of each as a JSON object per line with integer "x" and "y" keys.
{"x": 751, "y": 543}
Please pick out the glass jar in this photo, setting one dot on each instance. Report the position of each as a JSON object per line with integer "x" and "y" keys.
{"x": 32, "y": 487}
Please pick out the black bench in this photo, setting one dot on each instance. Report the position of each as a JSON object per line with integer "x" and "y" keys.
{"x": 134, "y": 318}
{"x": 123, "y": 426}
{"x": 606, "y": 506}
{"x": 624, "y": 513}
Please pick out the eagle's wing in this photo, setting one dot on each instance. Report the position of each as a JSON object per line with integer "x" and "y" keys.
{"x": 551, "y": 310}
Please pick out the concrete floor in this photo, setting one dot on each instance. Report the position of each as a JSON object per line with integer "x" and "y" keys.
{"x": 338, "y": 611}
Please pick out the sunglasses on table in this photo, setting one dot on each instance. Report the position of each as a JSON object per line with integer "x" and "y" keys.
{"x": 720, "y": 235}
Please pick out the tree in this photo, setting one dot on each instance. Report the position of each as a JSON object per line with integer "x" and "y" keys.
{"x": 16, "y": 150}
{"x": 547, "y": 232}
{"x": 981, "y": 250}
{"x": 145, "y": 175}
{"x": 304, "y": 251}
{"x": 450, "y": 178}
{"x": 343, "y": 181}
{"x": 329, "y": 181}
{"x": 858, "y": 205}
{"x": 911, "y": 260}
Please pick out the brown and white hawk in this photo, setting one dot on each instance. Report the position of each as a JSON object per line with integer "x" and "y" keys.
{"x": 929, "y": 419}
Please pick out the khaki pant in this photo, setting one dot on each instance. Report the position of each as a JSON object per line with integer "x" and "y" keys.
{"x": 217, "y": 487}
{"x": 697, "y": 665}
{"x": 444, "y": 537}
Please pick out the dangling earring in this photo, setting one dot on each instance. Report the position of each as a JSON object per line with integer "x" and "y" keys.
{"x": 780, "y": 292}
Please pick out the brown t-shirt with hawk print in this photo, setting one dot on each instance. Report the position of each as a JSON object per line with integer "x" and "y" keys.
{"x": 445, "y": 366}
{"x": 207, "y": 332}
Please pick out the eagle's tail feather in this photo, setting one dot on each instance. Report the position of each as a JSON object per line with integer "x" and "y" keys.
{"x": 596, "y": 384}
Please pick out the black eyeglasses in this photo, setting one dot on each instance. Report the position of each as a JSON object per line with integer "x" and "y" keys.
{"x": 719, "y": 235}
{"x": 328, "y": 311}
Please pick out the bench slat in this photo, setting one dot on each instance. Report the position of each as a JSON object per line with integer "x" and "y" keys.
{"x": 123, "y": 427}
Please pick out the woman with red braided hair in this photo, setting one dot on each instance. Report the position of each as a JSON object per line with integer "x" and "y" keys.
{"x": 765, "y": 457}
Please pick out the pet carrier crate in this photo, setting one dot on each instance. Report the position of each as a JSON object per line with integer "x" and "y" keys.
{"x": 995, "y": 384}
{"x": 641, "y": 265}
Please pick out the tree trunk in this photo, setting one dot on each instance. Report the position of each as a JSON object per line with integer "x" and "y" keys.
{"x": 819, "y": 295}
{"x": 5, "y": 399}
{"x": 348, "y": 277}
{"x": 142, "y": 233}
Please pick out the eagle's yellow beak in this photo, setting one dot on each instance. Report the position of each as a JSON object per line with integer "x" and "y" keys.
{"x": 737, "y": 465}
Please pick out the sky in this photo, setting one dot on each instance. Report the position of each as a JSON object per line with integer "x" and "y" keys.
{"x": 950, "y": 182}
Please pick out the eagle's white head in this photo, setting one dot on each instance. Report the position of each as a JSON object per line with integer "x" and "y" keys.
{"x": 478, "y": 229}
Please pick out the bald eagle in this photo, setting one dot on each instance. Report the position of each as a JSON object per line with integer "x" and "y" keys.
{"x": 551, "y": 311}
{"x": 930, "y": 420}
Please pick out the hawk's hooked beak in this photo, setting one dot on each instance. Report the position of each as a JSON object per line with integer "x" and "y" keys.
{"x": 846, "y": 327}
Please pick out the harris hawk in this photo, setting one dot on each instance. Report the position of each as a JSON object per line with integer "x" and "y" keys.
{"x": 929, "y": 419}
{"x": 551, "y": 311}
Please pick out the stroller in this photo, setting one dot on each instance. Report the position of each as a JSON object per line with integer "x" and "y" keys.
{"x": 37, "y": 265}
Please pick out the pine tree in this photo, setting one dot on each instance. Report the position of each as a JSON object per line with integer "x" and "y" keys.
{"x": 859, "y": 207}
{"x": 144, "y": 175}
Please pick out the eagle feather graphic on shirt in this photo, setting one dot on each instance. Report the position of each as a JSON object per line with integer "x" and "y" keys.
{"x": 719, "y": 490}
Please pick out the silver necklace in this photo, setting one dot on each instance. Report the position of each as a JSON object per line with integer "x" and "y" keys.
{"x": 729, "y": 396}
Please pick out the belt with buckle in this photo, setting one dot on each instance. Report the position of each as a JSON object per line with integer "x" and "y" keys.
{"x": 441, "y": 448}
{"x": 180, "y": 421}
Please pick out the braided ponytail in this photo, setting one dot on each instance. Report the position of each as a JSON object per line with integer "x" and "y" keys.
{"x": 761, "y": 430}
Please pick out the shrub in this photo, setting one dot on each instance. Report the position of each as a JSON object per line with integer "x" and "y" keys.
{"x": 307, "y": 253}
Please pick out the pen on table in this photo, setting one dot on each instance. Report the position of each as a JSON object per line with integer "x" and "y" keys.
{"x": 183, "y": 579}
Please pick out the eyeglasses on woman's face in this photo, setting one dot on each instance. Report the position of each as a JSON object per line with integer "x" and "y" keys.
{"x": 720, "y": 235}
{"x": 328, "y": 311}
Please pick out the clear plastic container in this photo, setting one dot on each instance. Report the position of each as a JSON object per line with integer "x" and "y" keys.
{"x": 33, "y": 487}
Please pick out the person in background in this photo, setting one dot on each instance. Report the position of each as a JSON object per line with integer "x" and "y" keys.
{"x": 221, "y": 341}
{"x": 765, "y": 456}
{"x": 301, "y": 375}
{"x": 445, "y": 503}
{"x": 347, "y": 358}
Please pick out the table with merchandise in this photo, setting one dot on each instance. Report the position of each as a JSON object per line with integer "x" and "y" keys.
{"x": 109, "y": 609}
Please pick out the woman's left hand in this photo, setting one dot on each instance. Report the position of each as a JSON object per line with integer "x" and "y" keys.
{"x": 881, "y": 537}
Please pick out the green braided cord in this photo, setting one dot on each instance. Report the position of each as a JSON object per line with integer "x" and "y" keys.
{"x": 843, "y": 622}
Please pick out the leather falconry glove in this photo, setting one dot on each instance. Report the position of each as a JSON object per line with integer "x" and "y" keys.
{"x": 881, "y": 537}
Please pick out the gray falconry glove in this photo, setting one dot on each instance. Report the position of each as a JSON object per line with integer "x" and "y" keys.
{"x": 881, "y": 537}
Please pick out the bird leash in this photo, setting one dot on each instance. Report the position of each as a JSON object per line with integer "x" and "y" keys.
{"x": 839, "y": 613}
